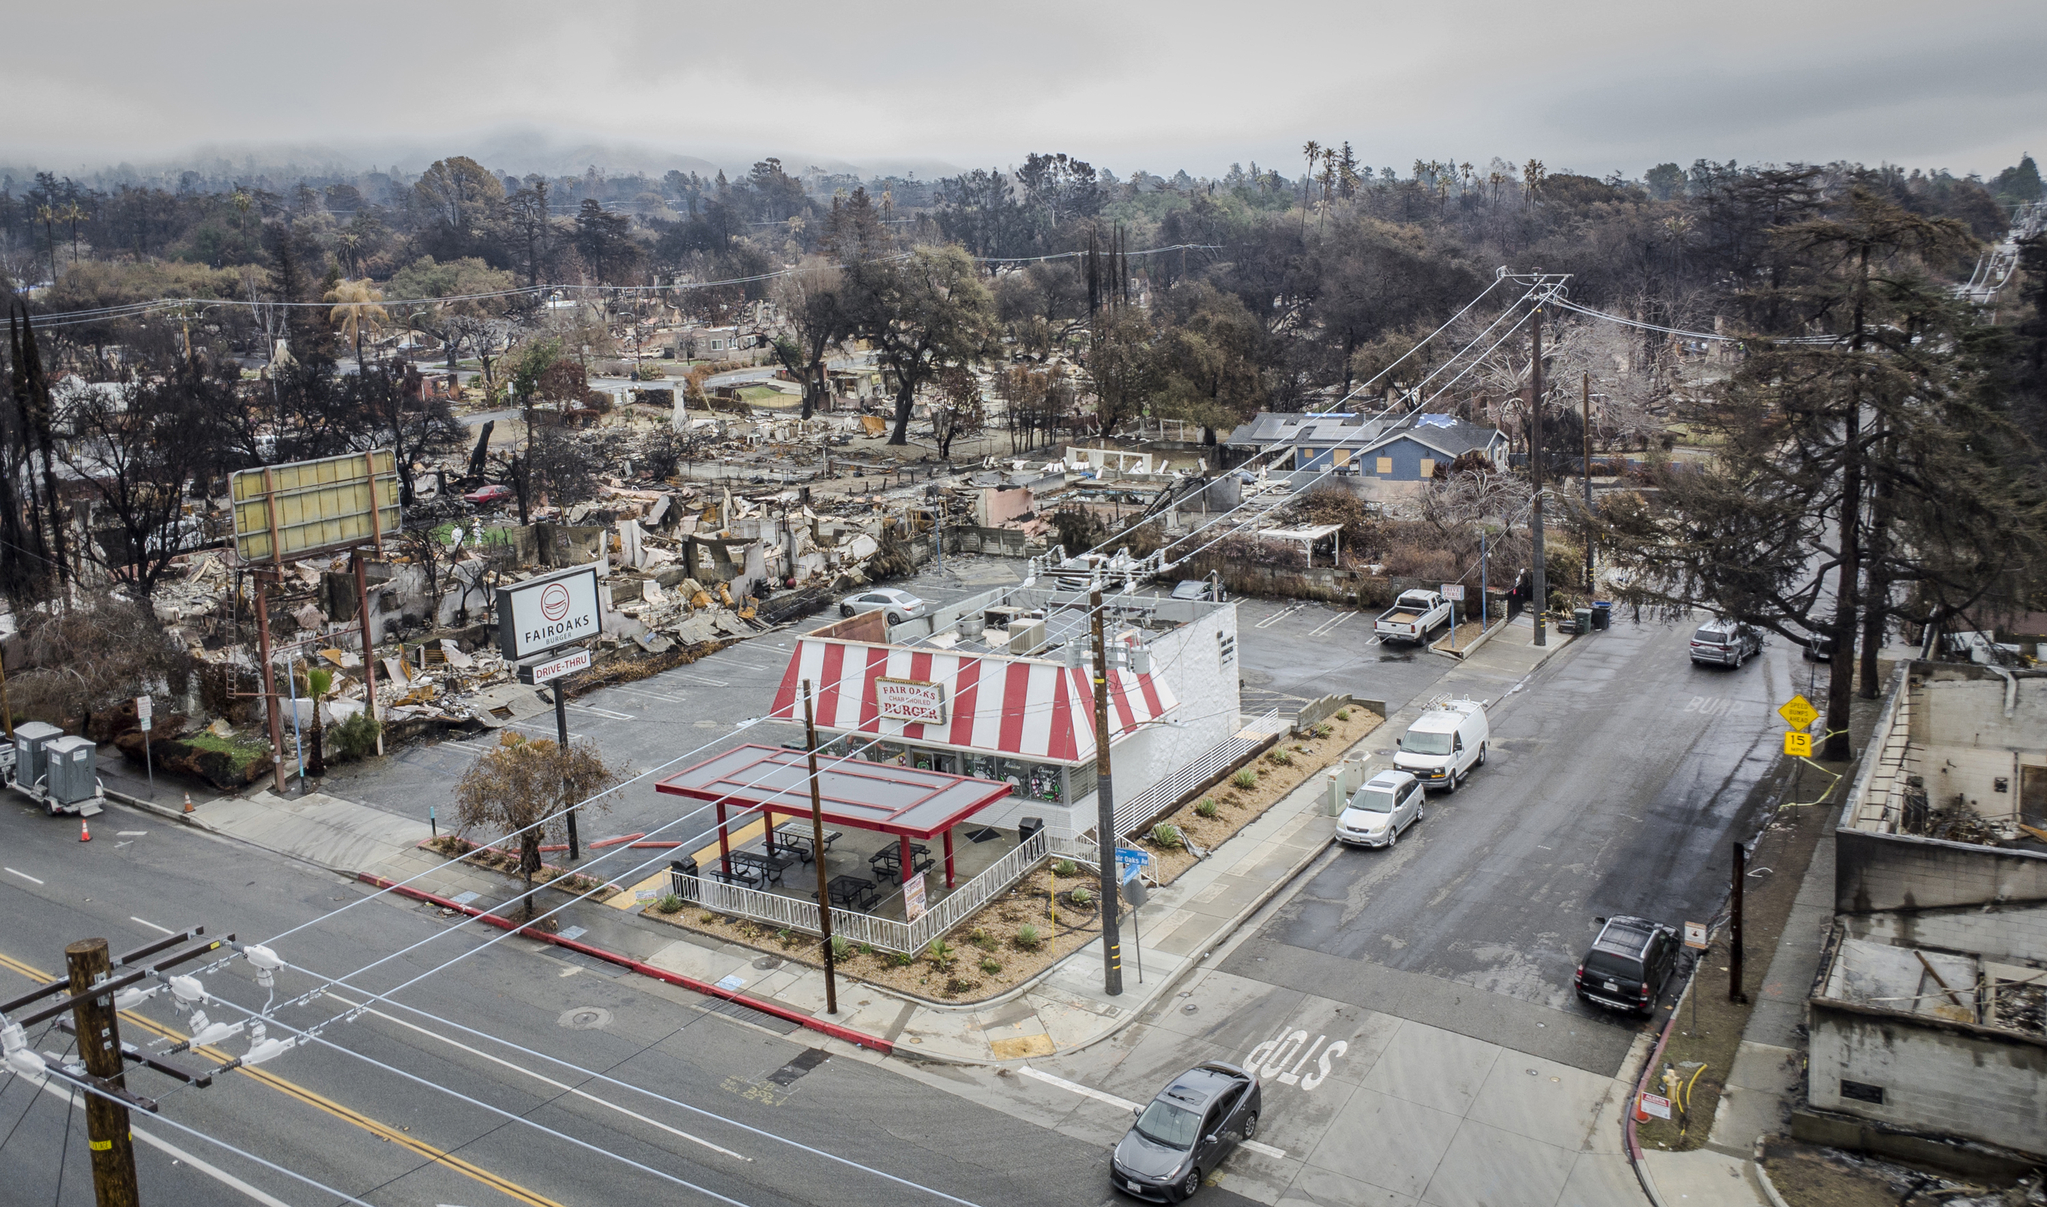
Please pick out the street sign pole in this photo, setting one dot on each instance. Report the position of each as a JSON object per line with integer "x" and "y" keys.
{"x": 561, "y": 735}
{"x": 142, "y": 717}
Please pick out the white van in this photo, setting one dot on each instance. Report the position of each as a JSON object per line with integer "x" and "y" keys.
{"x": 1390, "y": 802}
{"x": 1445, "y": 743}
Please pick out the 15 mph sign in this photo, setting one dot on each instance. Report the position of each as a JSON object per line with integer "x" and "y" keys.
{"x": 546, "y": 613}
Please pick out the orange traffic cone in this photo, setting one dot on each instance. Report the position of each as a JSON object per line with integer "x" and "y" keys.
{"x": 84, "y": 834}
{"x": 188, "y": 802}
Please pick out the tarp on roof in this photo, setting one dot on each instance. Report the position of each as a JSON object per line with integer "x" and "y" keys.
{"x": 1021, "y": 707}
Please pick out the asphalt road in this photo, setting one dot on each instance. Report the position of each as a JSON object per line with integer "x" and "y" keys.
{"x": 754, "y": 1117}
{"x": 1617, "y": 779}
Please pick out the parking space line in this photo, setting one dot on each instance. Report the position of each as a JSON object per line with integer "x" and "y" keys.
{"x": 151, "y": 925}
{"x": 1278, "y": 616}
{"x": 1331, "y": 625}
{"x": 23, "y": 875}
{"x": 606, "y": 713}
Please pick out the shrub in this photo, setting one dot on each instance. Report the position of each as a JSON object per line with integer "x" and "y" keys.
{"x": 901, "y": 959}
{"x": 840, "y": 948}
{"x": 1081, "y": 898}
{"x": 960, "y": 984}
{"x": 1343, "y": 714}
{"x": 357, "y": 736}
{"x": 1246, "y": 777}
{"x": 990, "y": 967}
{"x": 982, "y": 939}
{"x": 1166, "y": 835}
{"x": 669, "y": 903}
{"x": 1028, "y": 938}
{"x": 866, "y": 949}
{"x": 1206, "y": 808}
{"x": 786, "y": 935}
{"x": 1279, "y": 758}
{"x": 940, "y": 953}
{"x": 1065, "y": 867}
{"x": 707, "y": 918}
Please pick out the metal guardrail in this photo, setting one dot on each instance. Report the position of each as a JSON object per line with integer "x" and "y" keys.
{"x": 793, "y": 913}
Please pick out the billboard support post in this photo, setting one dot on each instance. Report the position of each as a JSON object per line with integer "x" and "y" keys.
{"x": 369, "y": 665}
{"x": 258, "y": 576}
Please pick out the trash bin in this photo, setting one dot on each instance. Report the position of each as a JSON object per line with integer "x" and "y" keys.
{"x": 682, "y": 878}
{"x": 1602, "y": 614}
{"x": 1027, "y": 827}
{"x": 1582, "y": 617}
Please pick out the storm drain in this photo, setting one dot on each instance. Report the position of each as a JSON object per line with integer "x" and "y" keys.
{"x": 747, "y": 1014}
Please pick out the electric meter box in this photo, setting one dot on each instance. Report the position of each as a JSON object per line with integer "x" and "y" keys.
{"x": 72, "y": 773}
{"x": 30, "y": 739}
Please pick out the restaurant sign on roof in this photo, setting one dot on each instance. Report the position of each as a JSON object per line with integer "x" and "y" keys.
{"x": 914, "y": 700}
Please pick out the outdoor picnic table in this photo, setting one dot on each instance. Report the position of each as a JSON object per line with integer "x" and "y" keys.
{"x": 769, "y": 868}
{"x": 852, "y": 892}
{"x": 888, "y": 861}
{"x": 797, "y": 836}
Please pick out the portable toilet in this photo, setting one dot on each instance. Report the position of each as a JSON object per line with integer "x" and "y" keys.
{"x": 30, "y": 737}
{"x": 73, "y": 770}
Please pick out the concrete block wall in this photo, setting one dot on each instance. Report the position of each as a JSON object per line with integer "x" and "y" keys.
{"x": 1875, "y": 872}
{"x": 1972, "y": 773}
{"x": 2005, "y": 934}
{"x": 1934, "y": 1078}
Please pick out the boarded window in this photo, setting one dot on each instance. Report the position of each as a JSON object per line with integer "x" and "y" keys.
{"x": 1341, "y": 457}
{"x": 1385, "y": 465}
{"x": 1428, "y": 467}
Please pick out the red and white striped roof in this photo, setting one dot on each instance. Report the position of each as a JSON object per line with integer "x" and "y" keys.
{"x": 1021, "y": 707}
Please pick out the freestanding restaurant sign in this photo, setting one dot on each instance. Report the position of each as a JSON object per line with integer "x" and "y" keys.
{"x": 548, "y": 612}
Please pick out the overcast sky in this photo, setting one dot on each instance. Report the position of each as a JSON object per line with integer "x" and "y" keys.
{"x": 1126, "y": 84}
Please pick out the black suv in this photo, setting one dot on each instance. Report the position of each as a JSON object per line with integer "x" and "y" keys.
{"x": 1628, "y": 964}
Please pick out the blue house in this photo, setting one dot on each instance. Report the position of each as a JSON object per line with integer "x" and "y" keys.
{"x": 1408, "y": 449}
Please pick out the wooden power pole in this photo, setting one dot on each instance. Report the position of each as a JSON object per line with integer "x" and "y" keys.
{"x": 1105, "y": 803}
{"x": 99, "y": 1046}
{"x": 1541, "y": 600}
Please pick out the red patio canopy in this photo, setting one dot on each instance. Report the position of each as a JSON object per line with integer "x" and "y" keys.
{"x": 863, "y": 795}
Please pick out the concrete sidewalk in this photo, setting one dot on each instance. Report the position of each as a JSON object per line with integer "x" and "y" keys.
{"x": 1064, "y": 1009}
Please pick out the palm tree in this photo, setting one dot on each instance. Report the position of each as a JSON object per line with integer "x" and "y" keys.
{"x": 357, "y": 312}
{"x": 1313, "y": 150}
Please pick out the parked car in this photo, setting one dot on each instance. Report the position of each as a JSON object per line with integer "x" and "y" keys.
{"x": 483, "y": 496}
{"x": 1389, "y": 802}
{"x": 1186, "y": 1131}
{"x": 1445, "y": 743}
{"x": 899, "y": 605}
{"x": 1415, "y": 617}
{"x": 1725, "y": 643}
{"x": 1628, "y": 964}
{"x": 1199, "y": 588}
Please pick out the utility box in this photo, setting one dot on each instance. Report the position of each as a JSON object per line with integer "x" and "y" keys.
{"x": 71, "y": 770}
{"x": 30, "y": 738}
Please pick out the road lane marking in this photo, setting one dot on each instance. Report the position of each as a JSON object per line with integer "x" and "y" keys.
{"x": 1126, "y": 1105}
{"x": 154, "y": 1141}
{"x": 562, "y": 1086}
{"x": 24, "y": 876}
{"x": 1278, "y": 616}
{"x": 130, "y": 833}
{"x": 151, "y": 925}
{"x": 477, "y": 1173}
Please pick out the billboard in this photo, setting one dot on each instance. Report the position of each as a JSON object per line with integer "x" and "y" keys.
{"x": 548, "y": 612}
{"x": 288, "y": 511}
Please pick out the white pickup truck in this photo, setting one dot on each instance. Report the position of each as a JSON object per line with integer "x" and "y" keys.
{"x": 1415, "y": 616}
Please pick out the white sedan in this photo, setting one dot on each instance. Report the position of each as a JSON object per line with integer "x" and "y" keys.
{"x": 899, "y": 605}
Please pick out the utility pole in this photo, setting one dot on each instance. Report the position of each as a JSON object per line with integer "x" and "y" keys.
{"x": 99, "y": 1047}
{"x": 824, "y": 897}
{"x": 1541, "y": 600}
{"x": 1105, "y": 807}
{"x": 1586, "y": 466}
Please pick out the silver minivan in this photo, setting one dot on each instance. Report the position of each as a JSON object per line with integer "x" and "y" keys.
{"x": 1390, "y": 802}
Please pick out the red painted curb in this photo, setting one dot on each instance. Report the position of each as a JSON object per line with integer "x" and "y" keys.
{"x": 836, "y": 1031}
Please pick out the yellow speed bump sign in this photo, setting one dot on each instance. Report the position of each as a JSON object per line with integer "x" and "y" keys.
{"x": 1798, "y": 744}
{"x": 1798, "y": 712}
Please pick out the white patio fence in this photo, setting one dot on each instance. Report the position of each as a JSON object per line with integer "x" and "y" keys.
{"x": 791, "y": 913}
{"x": 1141, "y": 807}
